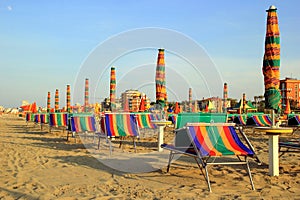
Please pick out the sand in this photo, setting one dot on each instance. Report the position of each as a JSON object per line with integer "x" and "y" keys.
{"x": 36, "y": 164}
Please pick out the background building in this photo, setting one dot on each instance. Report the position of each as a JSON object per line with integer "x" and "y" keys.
{"x": 290, "y": 90}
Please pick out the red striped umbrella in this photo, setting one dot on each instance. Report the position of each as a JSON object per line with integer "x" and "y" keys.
{"x": 271, "y": 62}
{"x": 68, "y": 99}
{"x": 86, "y": 95}
{"x": 56, "y": 107}
{"x": 160, "y": 79}
{"x": 48, "y": 102}
{"x": 112, "y": 94}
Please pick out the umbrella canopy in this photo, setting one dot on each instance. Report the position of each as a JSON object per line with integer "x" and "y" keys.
{"x": 86, "y": 95}
{"x": 160, "y": 79}
{"x": 287, "y": 108}
{"x": 48, "y": 102}
{"x": 68, "y": 99}
{"x": 271, "y": 62}
{"x": 112, "y": 91}
{"x": 56, "y": 101}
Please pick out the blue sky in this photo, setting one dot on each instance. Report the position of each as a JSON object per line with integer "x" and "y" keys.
{"x": 45, "y": 44}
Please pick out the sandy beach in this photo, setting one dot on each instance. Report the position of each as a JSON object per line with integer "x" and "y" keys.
{"x": 36, "y": 164}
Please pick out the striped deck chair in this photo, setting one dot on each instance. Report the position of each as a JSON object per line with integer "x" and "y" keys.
{"x": 30, "y": 117}
{"x": 120, "y": 125}
{"x": 259, "y": 120}
{"x": 294, "y": 122}
{"x": 145, "y": 124}
{"x": 58, "y": 120}
{"x": 173, "y": 118}
{"x": 45, "y": 118}
{"x": 82, "y": 125}
{"x": 240, "y": 120}
{"x": 213, "y": 144}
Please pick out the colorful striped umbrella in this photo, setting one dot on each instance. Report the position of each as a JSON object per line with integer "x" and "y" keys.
{"x": 68, "y": 99}
{"x": 271, "y": 62}
{"x": 112, "y": 94}
{"x": 176, "y": 109}
{"x": 56, "y": 102}
{"x": 160, "y": 80}
{"x": 48, "y": 102}
{"x": 142, "y": 105}
{"x": 190, "y": 99}
{"x": 225, "y": 97}
{"x": 86, "y": 95}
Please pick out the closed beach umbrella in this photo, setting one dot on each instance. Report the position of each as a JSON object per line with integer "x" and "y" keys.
{"x": 176, "y": 109}
{"x": 225, "y": 97}
{"x": 287, "y": 108}
{"x": 48, "y": 102}
{"x": 160, "y": 80}
{"x": 112, "y": 92}
{"x": 190, "y": 100}
{"x": 271, "y": 62}
{"x": 68, "y": 99}
{"x": 86, "y": 95}
{"x": 142, "y": 105}
{"x": 56, "y": 102}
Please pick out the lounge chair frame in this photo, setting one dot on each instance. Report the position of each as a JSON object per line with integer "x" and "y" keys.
{"x": 203, "y": 161}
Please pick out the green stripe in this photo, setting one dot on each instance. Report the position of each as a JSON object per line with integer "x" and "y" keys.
{"x": 120, "y": 125}
{"x": 217, "y": 141}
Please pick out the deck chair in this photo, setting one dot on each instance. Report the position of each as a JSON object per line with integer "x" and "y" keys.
{"x": 183, "y": 118}
{"x": 173, "y": 118}
{"x": 29, "y": 117}
{"x": 144, "y": 121}
{"x": 259, "y": 120}
{"x": 58, "y": 120}
{"x": 119, "y": 125}
{"x": 240, "y": 120}
{"x": 294, "y": 122}
{"x": 206, "y": 141}
{"x": 82, "y": 125}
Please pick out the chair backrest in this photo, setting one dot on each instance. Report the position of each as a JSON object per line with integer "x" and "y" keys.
{"x": 240, "y": 119}
{"x": 44, "y": 118}
{"x": 144, "y": 120}
{"x": 80, "y": 124}
{"x": 294, "y": 121}
{"x": 37, "y": 118}
{"x": 217, "y": 139}
{"x": 172, "y": 118}
{"x": 58, "y": 119}
{"x": 259, "y": 120}
{"x": 120, "y": 124}
{"x": 184, "y": 118}
{"x": 30, "y": 117}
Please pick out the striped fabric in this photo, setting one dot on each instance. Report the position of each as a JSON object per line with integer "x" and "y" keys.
{"x": 30, "y": 117}
{"x": 217, "y": 140}
{"x": 240, "y": 119}
{"x": 144, "y": 120}
{"x": 259, "y": 120}
{"x": 80, "y": 124}
{"x": 112, "y": 86}
{"x": 56, "y": 101}
{"x": 48, "y": 102}
{"x": 121, "y": 124}
{"x": 86, "y": 95}
{"x": 58, "y": 119}
{"x": 44, "y": 118}
{"x": 160, "y": 80}
{"x": 271, "y": 62}
{"x": 68, "y": 100}
{"x": 37, "y": 118}
{"x": 172, "y": 118}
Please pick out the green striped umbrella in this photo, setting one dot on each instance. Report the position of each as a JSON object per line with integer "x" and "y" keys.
{"x": 68, "y": 99}
{"x": 160, "y": 79}
{"x": 271, "y": 62}
{"x": 86, "y": 95}
{"x": 56, "y": 101}
{"x": 112, "y": 91}
{"x": 48, "y": 102}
